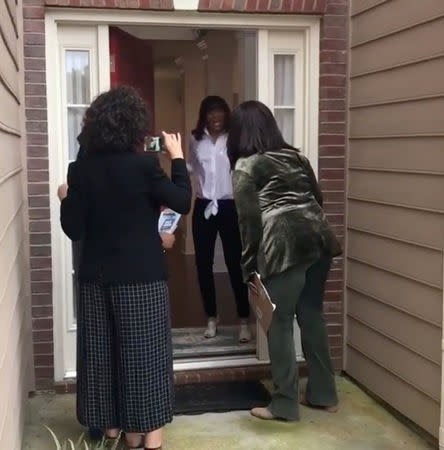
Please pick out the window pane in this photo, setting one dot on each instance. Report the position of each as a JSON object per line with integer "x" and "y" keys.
{"x": 285, "y": 121}
{"x": 284, "y": 80}
{"x": 77, "y": 77}
{"x": 75, "y": 117}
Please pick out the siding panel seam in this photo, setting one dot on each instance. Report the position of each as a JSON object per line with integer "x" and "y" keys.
{"x": 11, "y": 16}
{"x": 382, "y": 333}
{"x": 21, "y": 372}
{"x": 397, "y": 205}
{"x": 9, "y": 130}
{"x": 398, "y": 30}
{"x": 407, "y": 63}
{"x": 19, "y": 295}
{"x": 391, "y": 305}
{"x": 398, "y": 100}
{"x": 10, "y": 174}
{"x": 9, "y": 88}
{"x": 368, "y": 8}
{"x": 399, "y": 171}
{"x": 395, "y": 136}
{"x": 391, "y": 271}
{"x": 8, "y": 48}
{"x": 393, "y": 238}
{"x": 393, "y": 372}
{"x": 10, "y": 222}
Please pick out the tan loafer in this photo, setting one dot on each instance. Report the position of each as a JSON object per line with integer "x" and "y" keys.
{"x": 263, "y": 413}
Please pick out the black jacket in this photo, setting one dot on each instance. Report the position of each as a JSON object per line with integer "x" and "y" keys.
{"x": 281, "y": 220}
{"x": 113, "y": 206}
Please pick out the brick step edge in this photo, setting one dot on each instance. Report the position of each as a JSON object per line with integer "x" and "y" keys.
{"x": 260, "y": 372}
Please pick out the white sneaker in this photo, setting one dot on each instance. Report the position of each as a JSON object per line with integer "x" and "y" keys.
{"x": 211, "y": 330}
{"x": 244, "y": 333}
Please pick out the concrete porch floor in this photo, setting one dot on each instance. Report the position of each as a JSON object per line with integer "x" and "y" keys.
{"x": 361, "y": 424}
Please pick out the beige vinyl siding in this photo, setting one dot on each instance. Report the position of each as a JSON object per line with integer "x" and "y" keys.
{"x": 16, "y": 365}
{"x": 395, "y": 209}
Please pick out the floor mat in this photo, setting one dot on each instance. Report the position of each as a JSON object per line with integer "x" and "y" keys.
{"x": 191, "y": 343}
{"x": 220, "y": 397}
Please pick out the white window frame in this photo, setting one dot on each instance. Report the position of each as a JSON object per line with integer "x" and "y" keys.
{"x": 96, "y": 38}
{"x": 102, "y": 19}
{"x": 71, "y": 325}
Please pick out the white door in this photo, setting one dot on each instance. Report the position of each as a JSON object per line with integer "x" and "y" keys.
{"x": 74, "y": 57}
{"x": 287, "y": 82}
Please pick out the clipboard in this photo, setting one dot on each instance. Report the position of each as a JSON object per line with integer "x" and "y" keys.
{"x": 260, "y": 302}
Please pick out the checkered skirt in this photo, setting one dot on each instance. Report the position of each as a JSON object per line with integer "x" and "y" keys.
{"x": 124, "y": 356}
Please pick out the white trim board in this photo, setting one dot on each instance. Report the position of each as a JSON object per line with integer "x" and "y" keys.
{"x": 190, "y": 5}
{"x": 182, "y": 19}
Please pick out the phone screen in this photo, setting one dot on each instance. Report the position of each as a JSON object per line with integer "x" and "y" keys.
{"x": 154, "y": 144}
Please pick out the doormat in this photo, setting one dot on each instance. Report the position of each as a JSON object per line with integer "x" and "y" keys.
{"x": 198, "y": 398}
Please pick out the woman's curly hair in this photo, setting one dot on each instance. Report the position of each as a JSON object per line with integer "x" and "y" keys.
{"x": 116, "y": 121}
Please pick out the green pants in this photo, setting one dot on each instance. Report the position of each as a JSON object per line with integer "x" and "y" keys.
{"x": 300, "y": 291}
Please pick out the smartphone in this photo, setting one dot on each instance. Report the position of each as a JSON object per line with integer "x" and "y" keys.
{"x": 154, "y": 144}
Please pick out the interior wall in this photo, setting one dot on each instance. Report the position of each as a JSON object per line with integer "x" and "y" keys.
{"x": 168, "y": 104}
{"x": 222, "y": 65}
{"x": 16, "y": 359}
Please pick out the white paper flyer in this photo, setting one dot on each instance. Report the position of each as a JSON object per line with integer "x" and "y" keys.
{"x": 168, "y": 221}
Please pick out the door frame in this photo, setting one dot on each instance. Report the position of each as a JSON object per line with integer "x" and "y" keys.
{"x": 102, "y": 19}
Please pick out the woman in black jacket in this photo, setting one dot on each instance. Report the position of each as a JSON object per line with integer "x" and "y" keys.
{"x": 286, "y": 239}
{"x": 112, "y": 203}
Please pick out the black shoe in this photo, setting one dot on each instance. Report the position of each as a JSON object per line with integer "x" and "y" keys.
{"x": 95, "y": 433}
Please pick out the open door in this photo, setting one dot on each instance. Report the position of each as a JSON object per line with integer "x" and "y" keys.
{"x": 131, "y": 64}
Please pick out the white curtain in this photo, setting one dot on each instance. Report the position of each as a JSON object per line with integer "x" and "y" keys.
{"x": 284, "y": 75}
{"x": 285, "y": 121}
{"x": 77, "y": 77}
{"x": 283, "y": 80}
{"x": 78, "y": 93}
{"x": 75, "y": 118}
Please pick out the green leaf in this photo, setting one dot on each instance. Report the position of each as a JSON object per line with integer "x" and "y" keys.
{"x": 116, "y": 442}
{"x": 79, "y": 442}
{"x": 56, "y": 441}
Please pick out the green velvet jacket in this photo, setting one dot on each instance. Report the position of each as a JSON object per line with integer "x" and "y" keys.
{"x": 281, "y": 220}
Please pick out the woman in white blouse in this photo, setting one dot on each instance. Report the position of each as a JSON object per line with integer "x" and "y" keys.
{"x": 215, "y": 212}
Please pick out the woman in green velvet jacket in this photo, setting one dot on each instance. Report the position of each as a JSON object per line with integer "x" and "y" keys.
{"x": 286, "y": 239}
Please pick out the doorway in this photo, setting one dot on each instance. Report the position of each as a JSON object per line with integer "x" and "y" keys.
{"x": 180, "y": 58}
{"x": 174, "y": 69}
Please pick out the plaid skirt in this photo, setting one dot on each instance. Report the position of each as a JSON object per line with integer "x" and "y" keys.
{"x": 124, "y": 356}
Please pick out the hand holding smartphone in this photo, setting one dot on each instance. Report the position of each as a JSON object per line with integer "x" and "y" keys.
{"x": 169, "y": 143}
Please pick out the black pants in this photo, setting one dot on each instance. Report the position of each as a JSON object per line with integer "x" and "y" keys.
{"x": 205, "y": 233}
{"x": 124, "y": 356}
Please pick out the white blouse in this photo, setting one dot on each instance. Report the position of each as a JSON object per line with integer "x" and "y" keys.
{"x": 209, "y": 163}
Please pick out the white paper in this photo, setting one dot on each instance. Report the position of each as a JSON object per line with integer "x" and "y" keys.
{"x": 168, "y": 221}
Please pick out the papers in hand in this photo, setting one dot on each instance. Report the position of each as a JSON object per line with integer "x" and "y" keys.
{"x": 168, "y": 221}
{"x": 260, "y": 302}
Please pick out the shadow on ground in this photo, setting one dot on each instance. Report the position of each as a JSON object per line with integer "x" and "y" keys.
{"x": 361, "y": 424}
